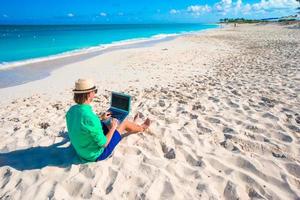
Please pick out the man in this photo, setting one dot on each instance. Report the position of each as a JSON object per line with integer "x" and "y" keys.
{"x": 92, "y": 140}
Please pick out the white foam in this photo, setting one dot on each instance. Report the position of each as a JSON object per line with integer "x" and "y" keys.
{"x": 8, "y": 65}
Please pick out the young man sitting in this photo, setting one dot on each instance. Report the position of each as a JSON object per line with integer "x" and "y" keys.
{"x": 91, "y": 139}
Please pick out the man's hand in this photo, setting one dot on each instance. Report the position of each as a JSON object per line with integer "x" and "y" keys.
{"x": 113, "y": 126}
{"x": 114, "y": 123}
{"x": 105, "y": 116}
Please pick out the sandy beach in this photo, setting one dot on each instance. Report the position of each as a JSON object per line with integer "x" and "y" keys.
{"x": 225, "y": 111}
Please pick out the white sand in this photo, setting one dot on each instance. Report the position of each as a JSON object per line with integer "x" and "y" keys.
{"x": 226, "y": 122}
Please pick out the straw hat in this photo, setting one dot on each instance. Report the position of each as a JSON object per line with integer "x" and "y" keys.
{"x": 84, "y": 86}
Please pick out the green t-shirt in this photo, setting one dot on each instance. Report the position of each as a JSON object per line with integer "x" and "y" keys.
{"x": 85, "y": 131}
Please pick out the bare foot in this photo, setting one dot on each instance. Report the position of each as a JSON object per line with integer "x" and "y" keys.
{"x": 146, "y": 124}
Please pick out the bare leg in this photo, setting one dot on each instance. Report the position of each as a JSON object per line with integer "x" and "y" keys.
{"x": 132, "y": 127}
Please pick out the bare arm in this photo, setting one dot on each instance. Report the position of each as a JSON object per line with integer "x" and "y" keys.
{"x": 114, "y": 124}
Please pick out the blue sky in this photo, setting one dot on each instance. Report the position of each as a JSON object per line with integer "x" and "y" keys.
{"x": 138, "y": 11}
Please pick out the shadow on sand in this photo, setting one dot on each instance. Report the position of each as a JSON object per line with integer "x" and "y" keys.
{"x": 39, "y": 157}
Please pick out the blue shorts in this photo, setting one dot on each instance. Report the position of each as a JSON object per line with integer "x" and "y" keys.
{"x": 116, "y": 138}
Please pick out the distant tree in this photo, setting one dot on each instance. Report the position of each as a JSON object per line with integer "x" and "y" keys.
{"x": 225, "y": 20}
{"x": 240, "y": 20}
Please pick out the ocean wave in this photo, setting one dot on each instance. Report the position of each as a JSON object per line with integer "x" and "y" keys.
{"x": 9, "y": 65}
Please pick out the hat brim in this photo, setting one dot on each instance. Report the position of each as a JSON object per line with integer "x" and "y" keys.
{"x": 84, "y": 91}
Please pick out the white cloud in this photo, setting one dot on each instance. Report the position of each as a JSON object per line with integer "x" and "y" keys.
{"x": 275, "y": 5}
{"x": 227, "y": 6}
{"x": 223, "y": 6}
{"x": 246, "y": 9}
{"x": 173, "y": 11}
{"x": 70, "y": 15}
{"x": 103, "y": 14}
{"x": 238, "y": 8}
{"x": 199, "y": 9}
{"x": 239, "y": 4}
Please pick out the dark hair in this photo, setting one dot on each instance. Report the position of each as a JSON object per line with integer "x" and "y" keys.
{"x": 80, "y": 98}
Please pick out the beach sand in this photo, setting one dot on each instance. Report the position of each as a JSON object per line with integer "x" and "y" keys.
{"x": 225, "y": 111}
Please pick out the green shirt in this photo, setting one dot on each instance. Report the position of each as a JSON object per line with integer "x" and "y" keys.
{"x": 85, "y": 132}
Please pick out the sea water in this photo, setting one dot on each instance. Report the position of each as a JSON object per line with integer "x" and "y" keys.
{"x": 23, "y": 43}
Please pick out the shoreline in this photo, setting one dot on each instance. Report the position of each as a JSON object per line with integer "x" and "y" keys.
{"x": 45, "y": 67}
{"x": 22, "y": 69}
{"x": 100, "y": 47}
{"x": 83, "y": 51}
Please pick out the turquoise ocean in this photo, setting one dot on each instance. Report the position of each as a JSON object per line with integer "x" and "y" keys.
{"x": 22, "y": 43}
